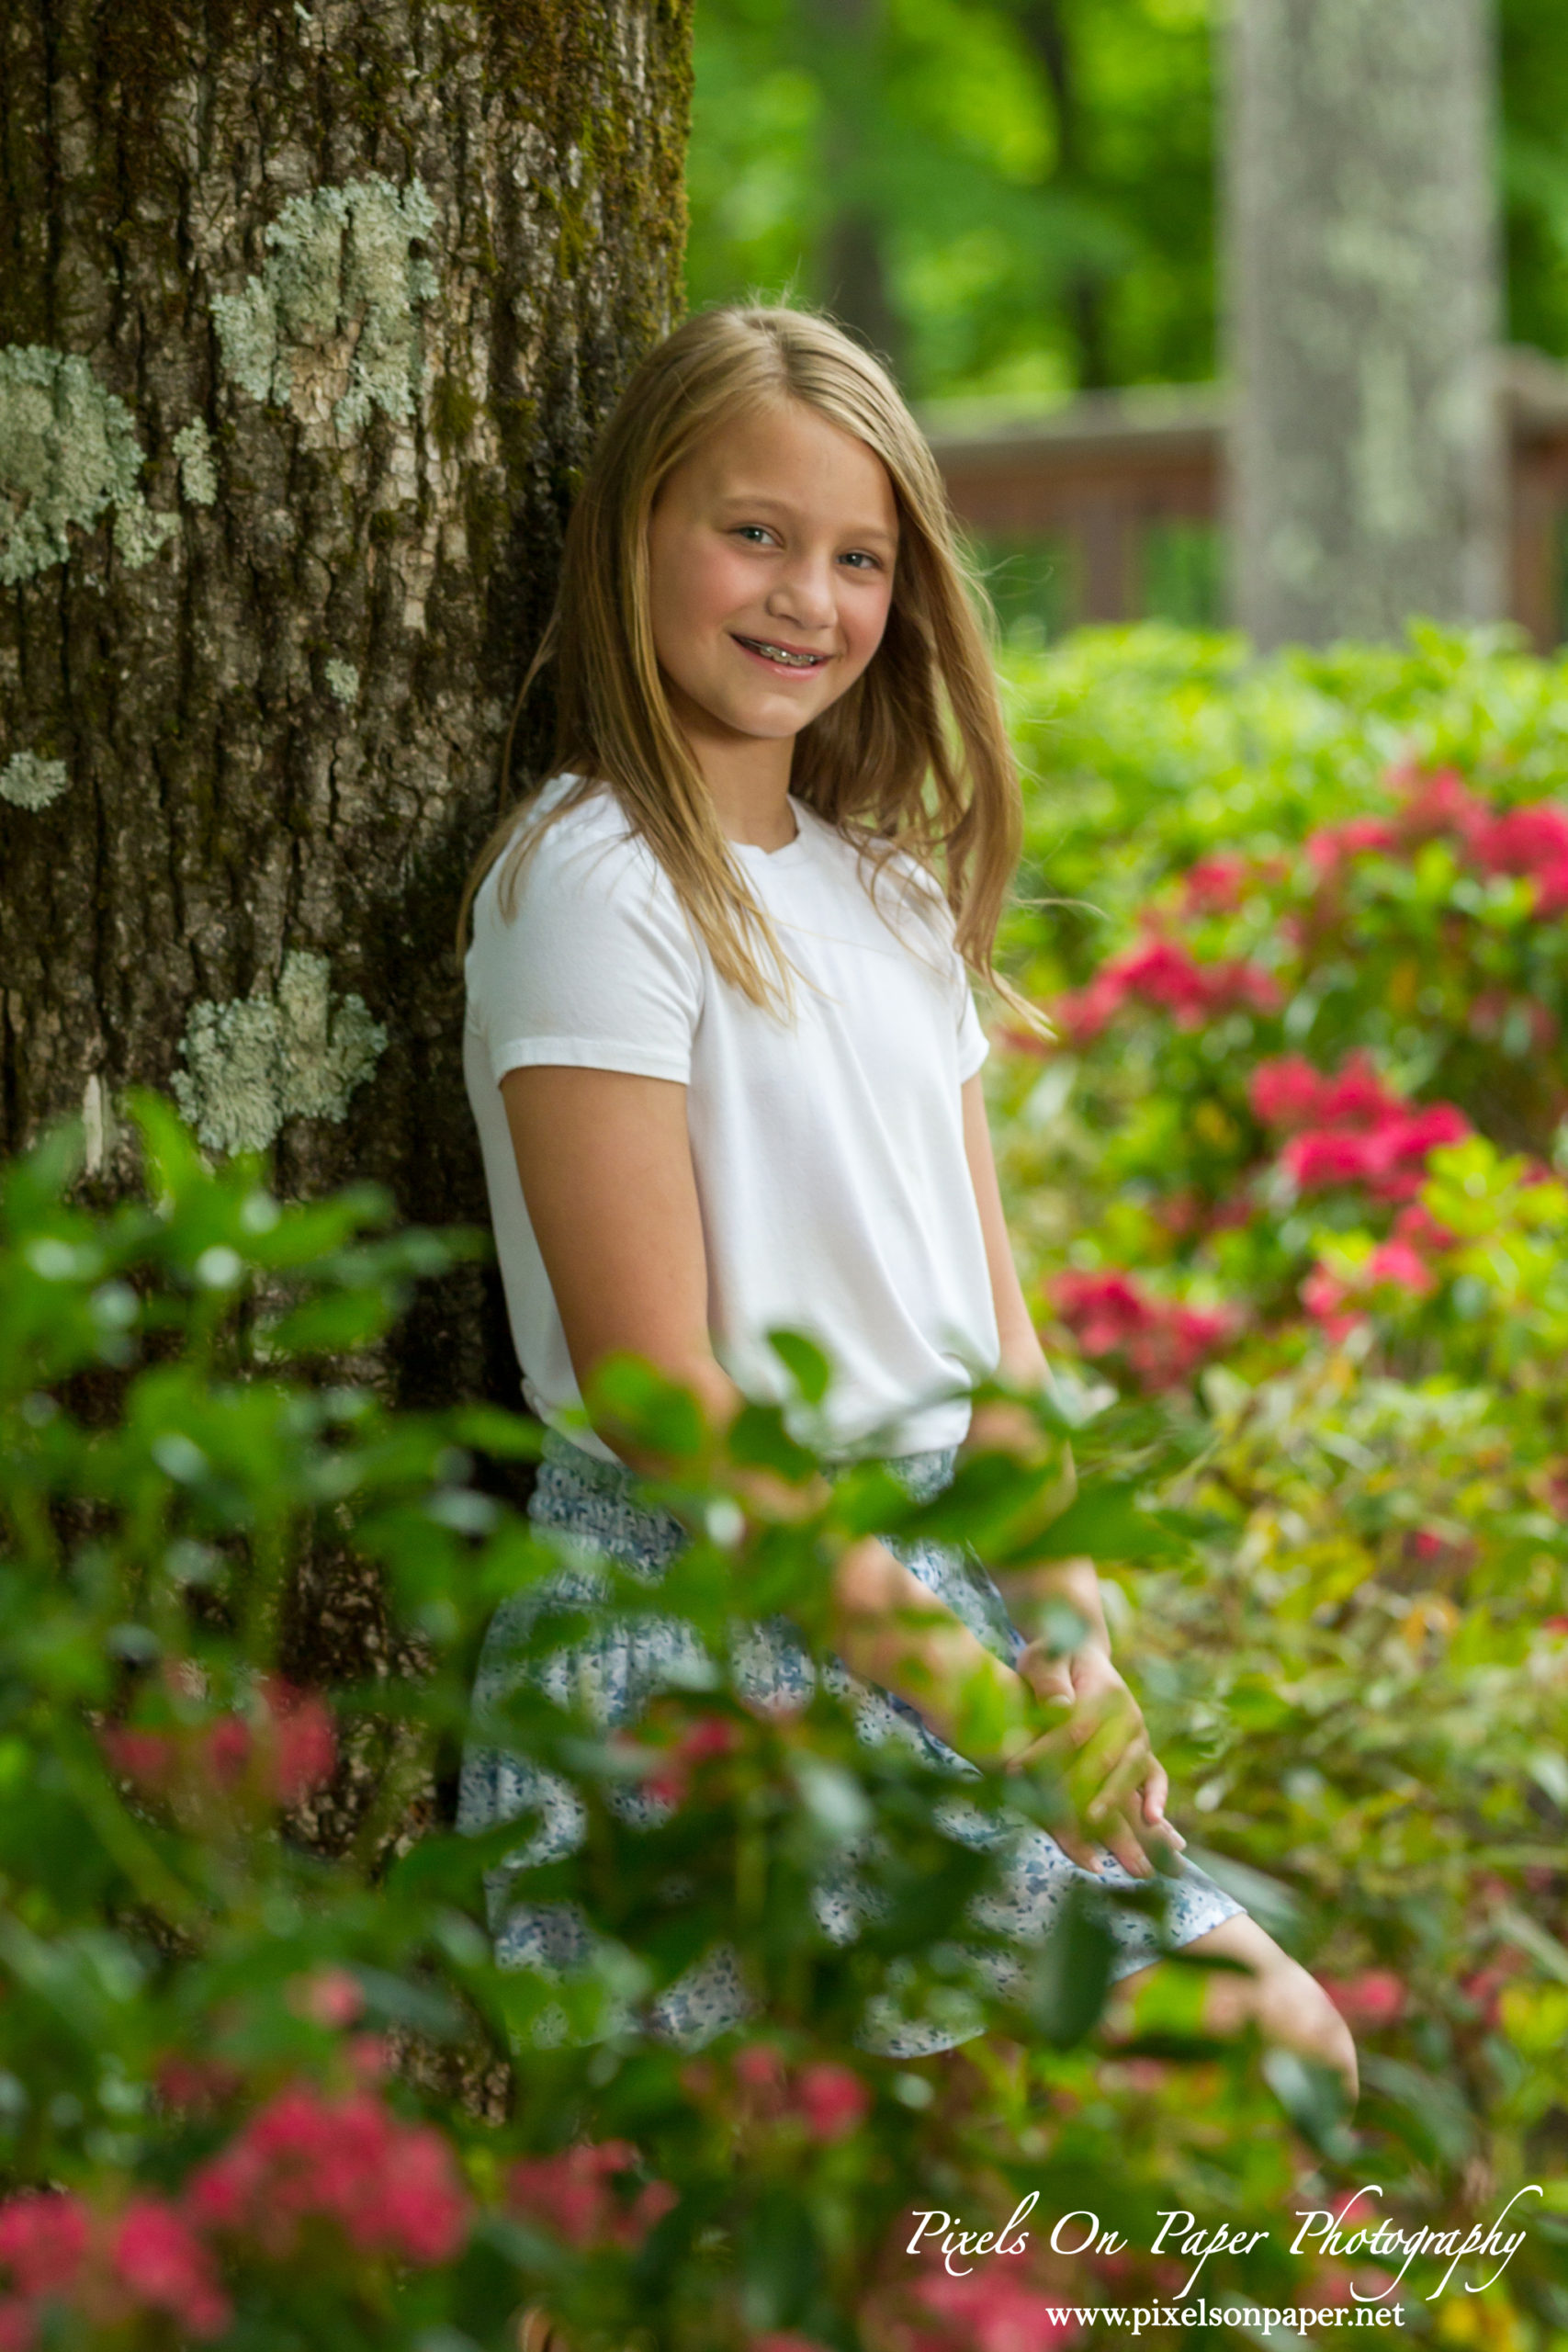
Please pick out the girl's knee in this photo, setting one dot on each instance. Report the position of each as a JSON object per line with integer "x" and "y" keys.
{"x": 1285, "y": 2002}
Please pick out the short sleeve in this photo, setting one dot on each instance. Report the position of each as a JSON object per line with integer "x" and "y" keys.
{"x": 973, "y": 1044}
{"x": 595, "y": 968}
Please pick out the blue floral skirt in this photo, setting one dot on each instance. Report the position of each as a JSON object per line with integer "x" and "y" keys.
{"x": 618, "y": 1669}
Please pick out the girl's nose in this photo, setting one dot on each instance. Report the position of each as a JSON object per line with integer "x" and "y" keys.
{"x": 805, "y": 593}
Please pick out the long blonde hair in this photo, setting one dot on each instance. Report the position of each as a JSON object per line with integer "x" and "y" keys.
{"x": 913, "y": 758}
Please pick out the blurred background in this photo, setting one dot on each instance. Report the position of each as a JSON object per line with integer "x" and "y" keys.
{"x": 1035, "y": 209}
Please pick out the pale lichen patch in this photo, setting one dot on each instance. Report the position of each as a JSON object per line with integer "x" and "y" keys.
{"x": 68, "y": 450}
{"x": 298, "y": 1052}
{"x": 28, "y": 782}
{"x": 333, "y": 319}
{"x": 199, "y": 475}
{"x": 342, "y": 681}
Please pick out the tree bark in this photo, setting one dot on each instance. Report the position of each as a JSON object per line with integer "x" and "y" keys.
{"x": 1367, "y": 460}
{"x": 308, "y": 316}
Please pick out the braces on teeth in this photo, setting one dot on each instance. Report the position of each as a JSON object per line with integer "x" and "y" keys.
{"x": 778, "y": 654}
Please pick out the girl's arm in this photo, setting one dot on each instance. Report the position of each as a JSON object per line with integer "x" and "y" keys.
{"x": 1104, "y": 1738}
{"x": 606, "y": 1164}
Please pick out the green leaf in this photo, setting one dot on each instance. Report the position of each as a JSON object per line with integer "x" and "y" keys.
{"x": 1071, "y": 1976}
{"x": 805, "y": 1362}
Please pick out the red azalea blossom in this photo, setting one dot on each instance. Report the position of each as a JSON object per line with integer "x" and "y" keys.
{"x": 297, "y": 1740}
{"x": 199, "y": 2083}
{"x": 167, "y": 2267}
{"x": 1331, "y": 844}
{"x": 991, "y": 2310}
{"x": 1531, "y": 840}
{"x": 1349, "y": 1128}
{"x": 328, "y": 1996}
{"x": 1397, "y": 1263}
{"x": 390, "y": 2187}
{"x": 44, "y": 2237}
{"x": 830, "y": 2099}
{"x": 570, "y": 2195}
{"x": 1375, "y": 1998}
{"x": 1163, "y": 1341}
{"x": 759, "y": 2069}
{"x": 1216, "y": 885}
{"x": 1161, "y": 972}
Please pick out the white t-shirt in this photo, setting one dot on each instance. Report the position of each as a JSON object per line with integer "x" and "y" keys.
{"x": 828, "y": 1155}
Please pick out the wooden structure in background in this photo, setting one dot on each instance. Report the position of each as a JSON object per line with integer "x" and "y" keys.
{"x": 1098, "y": 475}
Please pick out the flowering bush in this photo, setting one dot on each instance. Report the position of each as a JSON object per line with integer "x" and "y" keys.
{"x": 1291, "y": 1164}
{"x": 260, "y": 2080}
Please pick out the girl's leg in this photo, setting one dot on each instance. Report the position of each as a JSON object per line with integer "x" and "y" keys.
{"x": 1289, "y": 2007}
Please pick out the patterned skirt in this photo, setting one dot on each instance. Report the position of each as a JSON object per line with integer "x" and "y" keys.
{"x": 629, "y": 1657}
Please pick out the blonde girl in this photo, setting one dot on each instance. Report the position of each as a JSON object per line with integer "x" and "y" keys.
{"x": 725, "y": 1062}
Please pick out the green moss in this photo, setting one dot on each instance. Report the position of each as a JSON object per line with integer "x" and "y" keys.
{"x": 453, "y": 410}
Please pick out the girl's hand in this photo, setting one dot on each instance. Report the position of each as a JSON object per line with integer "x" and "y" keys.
{"x": 1100, "y": 1749}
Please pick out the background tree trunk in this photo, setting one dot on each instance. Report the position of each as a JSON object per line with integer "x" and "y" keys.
{"x": 308, "y": 316}
{"x": 1363, "y": 285}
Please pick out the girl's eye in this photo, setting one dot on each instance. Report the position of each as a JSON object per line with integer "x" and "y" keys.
{"x": 752, "y": 532}
{"x": 860, "y": 558}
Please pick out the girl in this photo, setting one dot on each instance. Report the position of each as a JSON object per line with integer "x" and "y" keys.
{"x": 724, "y": 1059}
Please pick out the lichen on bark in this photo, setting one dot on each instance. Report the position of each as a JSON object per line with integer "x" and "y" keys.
{"x": 297, "y": 1052}
{"x": 68, "y": 450}
{"x": 29, "y": 782}
{"x": 340, "y": 293}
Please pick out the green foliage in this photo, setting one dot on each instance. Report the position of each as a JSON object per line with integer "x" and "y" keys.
{"x": 253, "y": 2037}
{"x": 1288, "y": 1170}
{"x": 1038, "y": 179}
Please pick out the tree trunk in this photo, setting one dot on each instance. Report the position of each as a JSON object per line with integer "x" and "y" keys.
{"x": 1366, "y": 463}
{"x": 308, "y": 317}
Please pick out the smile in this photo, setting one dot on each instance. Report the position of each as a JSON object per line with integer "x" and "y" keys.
{"x": 782, "y": 654}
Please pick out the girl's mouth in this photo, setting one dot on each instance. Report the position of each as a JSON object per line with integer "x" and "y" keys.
{"x": 780, "y": 657}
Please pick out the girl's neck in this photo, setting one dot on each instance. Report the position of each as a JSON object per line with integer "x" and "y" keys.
{"x": 747, "y": 776}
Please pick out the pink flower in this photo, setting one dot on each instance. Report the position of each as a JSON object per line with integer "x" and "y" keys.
{"x": 1396, "y": 1262}
{"x": 1163, "y": 1341}
{"x": 148, "y": 1758}
{"x": 19, "y": 2328}
{"x": 1333, "y": 844}
{"x": 1531, "y": 840}
{"x": 328, "y": 1996}
{"x": 1216, "y": 885}
{"x": 1324, "y": 1296}
{"x": 759, "y": 2067}
{"x": 199, "y": 2083}
{"x": 43, "y": 2240}
{"x": 1374, "y": 1998}
{"x": 1416, "y": 1224}
{"x": 305, "y": 1744}
{"x": 167, "y": 2267}
{"x": 830, "y": 2099}
{"x": 390, "y": 2187}
{"x": 570, "y": 2195}
{"x": 1162, "y": 973}
{"x": 991, "y": 2312}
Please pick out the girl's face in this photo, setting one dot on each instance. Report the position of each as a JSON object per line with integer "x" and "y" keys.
{"x": 770, "y": 553}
